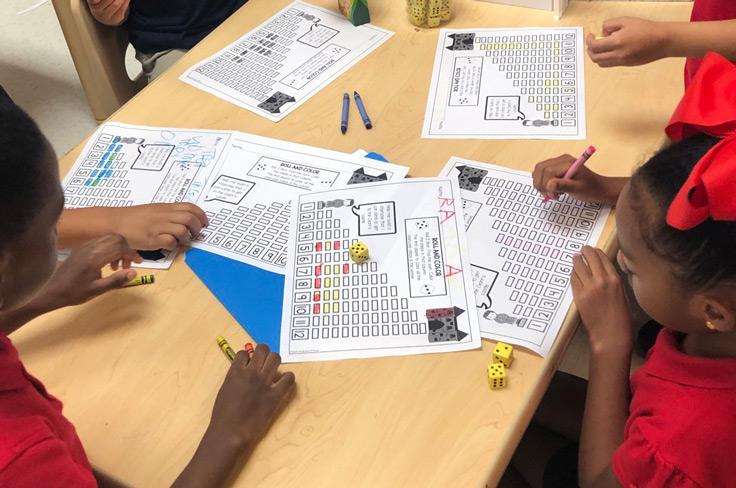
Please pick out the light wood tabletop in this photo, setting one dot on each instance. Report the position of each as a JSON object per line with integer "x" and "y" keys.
{"x": 138, "y": 369}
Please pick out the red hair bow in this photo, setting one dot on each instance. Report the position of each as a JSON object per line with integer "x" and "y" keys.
{"x": 709, "y": 107}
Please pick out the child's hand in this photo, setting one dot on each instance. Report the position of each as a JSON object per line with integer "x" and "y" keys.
{"x": 79, "y": 278}
{"x": 601, "y": 301}
{"x": 109, "y": 12}
{"x": 158, "y": 225}
{"x": 585, "y": 185}
{"x": 251, "y": 396}
{"x": 628, "y": 41}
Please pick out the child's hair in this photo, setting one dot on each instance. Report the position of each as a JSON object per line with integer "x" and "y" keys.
{"x": 22, "y": 174}
{"x": 701, "y": 257}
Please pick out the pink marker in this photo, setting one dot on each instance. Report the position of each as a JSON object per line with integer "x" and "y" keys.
{"x": 573, "y": 169}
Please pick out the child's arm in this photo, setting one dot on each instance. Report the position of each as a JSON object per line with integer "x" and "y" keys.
{"x": 251, "y": 397}
{"x": 630, "y": 41}
{"x": 146, "y": 227}
{"x": 585, "y": 185}
{"x": 77, "y": 280}
{"x": 601, "y": 301}
{"x": 109, "y": 12}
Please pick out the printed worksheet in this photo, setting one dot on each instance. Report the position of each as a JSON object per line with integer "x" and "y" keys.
{"x": 287, "y": 59}
{"x": 413, "y": 295}
{"x": 521, "y": 251}
{"x": 507, "y": 84}
{"x": 248, "y": 200}
{"x": 124, "y": 165}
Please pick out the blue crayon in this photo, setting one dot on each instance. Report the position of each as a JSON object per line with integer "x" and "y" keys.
{"x": 345, "y": 113}
{"x": 363, "y": 113}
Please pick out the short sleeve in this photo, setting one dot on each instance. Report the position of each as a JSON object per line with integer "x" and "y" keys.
{"x": 41, "y": 459}
{"x": 638, "y": 464}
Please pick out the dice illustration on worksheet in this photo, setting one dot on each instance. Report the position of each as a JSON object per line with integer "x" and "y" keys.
{"x": 359, "y": 252}
{"x": 496, "y": 376}
{"x": 504, "y": 354}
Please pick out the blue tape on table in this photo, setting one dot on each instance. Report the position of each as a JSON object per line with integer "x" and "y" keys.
{"x": 252, "y": 295}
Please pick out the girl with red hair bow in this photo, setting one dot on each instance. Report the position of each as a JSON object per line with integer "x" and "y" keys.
{"x": 671, "y": 424}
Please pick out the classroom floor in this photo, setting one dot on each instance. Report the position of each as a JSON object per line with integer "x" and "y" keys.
{"x": 38, "y": 72}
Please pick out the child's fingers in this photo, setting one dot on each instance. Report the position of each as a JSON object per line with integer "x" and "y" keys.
{"x": 259, "y": 356}
{"x": 608, "y": 266}
{"x": 284, "y": 383}
{"x": 115, "y": 280}
{"x": 194, "y": 210}
{"x": 594, "y": 261}
{"x": 271, "y": 366}
{"x": 580, "y": 269}
{"x": 178, "y": 231}
{"x": 562, "y": 185}
{"x": 606, "y": 60}
{"x": 165, "y": 241}
{"x": 601, "y": 46}
{"x": 612, "y": 25}
{"x": 190, "y": 220}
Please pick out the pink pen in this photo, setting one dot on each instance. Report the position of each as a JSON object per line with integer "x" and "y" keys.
{"x": 573, "y": 169}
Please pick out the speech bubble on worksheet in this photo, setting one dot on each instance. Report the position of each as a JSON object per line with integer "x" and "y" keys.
{"x": 376, "y": 219}
{"x": 504, "y": 108}
{"x": 466, "y": 77}
{"x": 227, "y": 189}
{"x": 483, "y": 281}
{"x": 152, "y": 157}
{"x": 293, "y": 174}
{"x": 470, "y": 210}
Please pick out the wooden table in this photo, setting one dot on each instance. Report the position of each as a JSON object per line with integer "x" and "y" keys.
{"x": 138, "y": 369}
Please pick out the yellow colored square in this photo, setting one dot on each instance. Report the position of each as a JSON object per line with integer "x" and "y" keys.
{"x": 327, "y": 282}
{"x": 556, "y": 82}
{"x": 531, "y": 99}
{"x": 328, "y": 246}
{"x": 336, "y": 269}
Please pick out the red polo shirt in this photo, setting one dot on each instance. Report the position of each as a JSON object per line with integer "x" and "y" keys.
{"x": 38, "y": 446}
{"x": 681, "y": 430}
{"x": 705, "y": 10}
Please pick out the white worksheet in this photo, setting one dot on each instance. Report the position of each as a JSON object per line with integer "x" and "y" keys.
{"x": 413, "y": 296}
{"x": 124, "y": 165}
{"x": 287, "y": 59}
{"x": 248, "y": 200}
{"x": 523, "y": 83}
{"x": 521, "y": 251}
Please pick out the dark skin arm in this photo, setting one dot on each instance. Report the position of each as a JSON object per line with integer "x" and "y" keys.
{"x": 601, "y": 302}
{"x": 77, "y": 280}
{"x": 146, "y": 227}
{"x": 586, "y": 185}
{"x": 252, "y": 396}
{"x": 631, "y": 41}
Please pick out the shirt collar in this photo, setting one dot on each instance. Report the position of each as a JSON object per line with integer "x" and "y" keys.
{"x": 668, "y": 362}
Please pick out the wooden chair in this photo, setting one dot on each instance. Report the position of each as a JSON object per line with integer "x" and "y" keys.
{"x": 98, "y": 52}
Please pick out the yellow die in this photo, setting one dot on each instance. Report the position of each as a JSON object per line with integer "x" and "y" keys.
{"x": 496, "y": 376}
{"x": 504, "y": 354}
{"x": 359, "y": 252}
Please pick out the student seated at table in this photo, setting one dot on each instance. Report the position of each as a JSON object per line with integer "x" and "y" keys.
{"x": 146, "y": 227}
{"x": 672, "y": 424}
{"x": 38, "y": 446}
{"x": 631, "y": 41}
{"x": 154, "y": 25}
